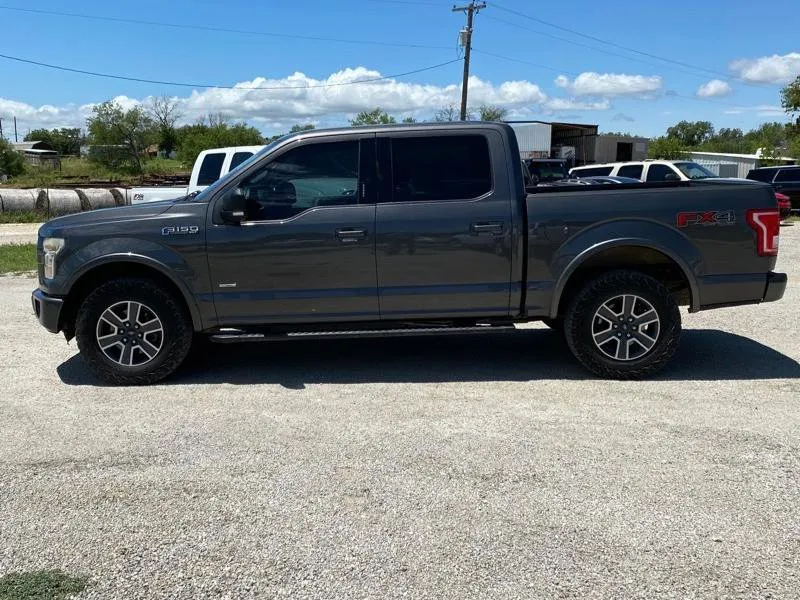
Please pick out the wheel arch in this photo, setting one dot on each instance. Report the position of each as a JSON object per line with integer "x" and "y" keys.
{"x": 116, "y": 267}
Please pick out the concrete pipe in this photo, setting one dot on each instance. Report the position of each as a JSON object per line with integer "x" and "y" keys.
{"x": 120, "y": 196}
{"x": 13, "y": 200}
{"x": 92, "y": 198}
{"x": 61, "y": 202}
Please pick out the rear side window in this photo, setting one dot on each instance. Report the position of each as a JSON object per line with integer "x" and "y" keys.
{"x": 455, "y": 167}
{"x": 660, "y": 172}
{"x": 592, "y": 172}
{"x": 788, "y": 175}
{"x": 761, "y": 175}
{"x": 238, "y": 158}
{"x": 634, "y": 171}
{"x": 211, "y": 168}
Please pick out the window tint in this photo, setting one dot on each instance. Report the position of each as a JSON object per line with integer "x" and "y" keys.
{"x": 660, "y": 172}
{"x": 695, "y": 171}
{"x": 238, "y": 158}
{"x": 211, "y": 168}
{"x": 453, "y": 167}
{"x": 322, "y": 174}
{"x": 634, "y": 171}
{"x": 764, "y": 175}
{"x": 592, "y": 172}
{"x": 788, "y": 175}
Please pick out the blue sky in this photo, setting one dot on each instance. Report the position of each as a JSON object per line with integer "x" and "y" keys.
{"x": 545, "y": 73}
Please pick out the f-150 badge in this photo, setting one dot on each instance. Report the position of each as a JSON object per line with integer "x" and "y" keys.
{"x": 180, "y": 230}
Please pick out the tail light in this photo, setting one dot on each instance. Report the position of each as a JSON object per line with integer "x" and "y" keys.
{"x": 781, "y": 197}
{"x": 767, "y": 224}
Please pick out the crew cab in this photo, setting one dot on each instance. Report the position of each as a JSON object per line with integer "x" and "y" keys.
{"x": 209, "y": 166}
{"x": 422, "y": 229}
{"x": 648, "y": 170}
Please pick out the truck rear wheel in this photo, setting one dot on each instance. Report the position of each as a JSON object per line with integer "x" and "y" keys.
{"x": 130, "y": 331}
{"x": 623, "y": 325}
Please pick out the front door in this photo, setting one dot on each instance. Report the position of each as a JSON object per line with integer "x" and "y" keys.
{"x": 306, "y": 249}
{"x": 444, "y": 225}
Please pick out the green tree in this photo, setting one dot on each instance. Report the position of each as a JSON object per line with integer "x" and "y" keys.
{"x": 131, "y": 131}
{"x": 409, "y": 119}
{"x": 691, "y": 133}
{"x": 298, "y": 128}
{"x": 726, "y": 140}
{"x": 451, "y": 112}
{"x": 165, "y": 113}
{"x": 666, "y": 148}
{"x": 64, "y": 141}
{"x": 11, "y": 161}
{"x": 488, "y": 112}
{"x": 774, "y": 135}
{"x": 377, "y": 116}
{"x": 193, "y": 139}
{"x": 790, "y": 99}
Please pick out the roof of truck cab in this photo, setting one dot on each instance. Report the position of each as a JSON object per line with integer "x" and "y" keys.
{"x": 403, "y": 127}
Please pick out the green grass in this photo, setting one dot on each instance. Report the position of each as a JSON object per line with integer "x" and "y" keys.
{"x": 17, "y": 258}
{"x": 22, "y": 217}
{"x": 40, "y": 585}
{"x": 793, "y": 219}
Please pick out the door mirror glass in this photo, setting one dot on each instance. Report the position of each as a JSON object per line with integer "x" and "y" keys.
{"x": 234, "y": 207}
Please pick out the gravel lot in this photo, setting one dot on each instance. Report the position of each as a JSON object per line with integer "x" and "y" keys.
{"x": 411, "y": 468}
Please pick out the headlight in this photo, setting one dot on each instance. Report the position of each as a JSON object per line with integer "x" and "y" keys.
{"x": 51, "y": 247}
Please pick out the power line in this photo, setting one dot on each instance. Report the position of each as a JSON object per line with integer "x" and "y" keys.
{"x": 222, "y": 29}
{"x": 226, "y": 87}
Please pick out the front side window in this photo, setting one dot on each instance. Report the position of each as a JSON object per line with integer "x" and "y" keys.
{"x": 453, "y": 167}
{"x": 788, "y": 175}
{"x": 318, "y": 174}
{"x": 634, "y": 171}
{"x": 661, "y": 173}
{"x": 694, "y": 171}
{"x": 238, "y": 158}
{"x": 764, "y": 175}
{"x": 210, "y": 168}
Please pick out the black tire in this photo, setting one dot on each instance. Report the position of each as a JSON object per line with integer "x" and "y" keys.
{"x": 583, "y": 325}
{"x": 174, "y": 338}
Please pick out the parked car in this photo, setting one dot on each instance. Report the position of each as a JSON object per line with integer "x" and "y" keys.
{"x": 209, "y": 166}
{"x": 648, "y": 170}
{"x": 420, "y": 229}
{"x": 544, "y": 170}
{"x": 785, "y": 180}
{"x": 784, "y": 205}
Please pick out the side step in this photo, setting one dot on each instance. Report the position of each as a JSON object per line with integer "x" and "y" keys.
{"x": 234, "y": 337}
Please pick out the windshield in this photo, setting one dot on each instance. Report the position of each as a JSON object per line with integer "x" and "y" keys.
{"x": 547, "y": 171}
{"x": 694, "y": 171}
{"x": 220, "y": 182}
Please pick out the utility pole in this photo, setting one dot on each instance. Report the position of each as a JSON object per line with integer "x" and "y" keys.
{"x": 15, "y": 130}
{"x": 1, "y": 129}
{"x": 465, "y": 38}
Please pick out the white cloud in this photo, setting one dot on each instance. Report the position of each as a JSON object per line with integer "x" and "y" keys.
{"x": 768, "y": 69}
{"x": 762, "y": 110}
{"x": 610, "y": 84}
{"x": 561, "y": 104}
{"x": 300, "y": 98}
{"x": 714, "y": 88}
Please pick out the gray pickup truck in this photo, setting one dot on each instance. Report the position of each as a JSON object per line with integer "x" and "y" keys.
{"x": 403, "y": 230}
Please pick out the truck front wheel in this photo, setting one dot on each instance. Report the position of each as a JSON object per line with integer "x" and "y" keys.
{"x": 130, "y": 331}
{"x": 623, "y": 325}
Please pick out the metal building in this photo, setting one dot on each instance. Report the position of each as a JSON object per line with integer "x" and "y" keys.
{"x": 744, "y": 162}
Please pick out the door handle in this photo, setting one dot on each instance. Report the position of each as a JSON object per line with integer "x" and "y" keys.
{"x": 492, "y": 228}
{"x": 350, "y": 235}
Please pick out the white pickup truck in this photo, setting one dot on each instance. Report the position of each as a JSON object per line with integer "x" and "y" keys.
{"x": 209, "y": 166}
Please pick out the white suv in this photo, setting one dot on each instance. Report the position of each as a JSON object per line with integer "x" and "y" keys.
{"x": 648, "y": 170}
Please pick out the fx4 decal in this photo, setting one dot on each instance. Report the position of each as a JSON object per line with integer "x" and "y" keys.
{"x": 706, "y": 218}
{"x": 180, "y": 230}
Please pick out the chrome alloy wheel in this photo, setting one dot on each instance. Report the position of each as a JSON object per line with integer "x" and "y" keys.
{"x": 130, "y": 333}
{"x": 625, "y": 327}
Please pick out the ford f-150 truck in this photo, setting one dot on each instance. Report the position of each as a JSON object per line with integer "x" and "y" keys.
{"x": 403, "y": 230}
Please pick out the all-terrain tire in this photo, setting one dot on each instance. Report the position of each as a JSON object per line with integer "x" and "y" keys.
{"x": 174, "y": 339}
{"x": 582, "y": 323}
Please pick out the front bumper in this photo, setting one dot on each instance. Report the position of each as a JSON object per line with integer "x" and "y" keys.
{"x": 47, "y": 310}
{"x": 776, "y": 286}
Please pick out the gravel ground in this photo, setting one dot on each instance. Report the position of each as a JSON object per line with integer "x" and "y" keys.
{"x": 485, "y": 467}
{"x": 18, "y": 233}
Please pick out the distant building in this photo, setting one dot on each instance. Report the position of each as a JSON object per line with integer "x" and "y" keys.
{"x": 38, "y": 154}
{"x": 743, "y": 162}
{"x": 23, "y": 146}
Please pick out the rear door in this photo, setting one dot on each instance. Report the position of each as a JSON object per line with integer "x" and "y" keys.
{"x": 443, "y": 223}
{"x": 787, "y": 182}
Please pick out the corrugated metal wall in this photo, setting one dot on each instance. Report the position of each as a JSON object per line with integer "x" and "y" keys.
{"x": 606, "y": 148}
{"x": 743, "y": 165}
{"x": 533, "y": 139}
{"x": 721, "y": 168}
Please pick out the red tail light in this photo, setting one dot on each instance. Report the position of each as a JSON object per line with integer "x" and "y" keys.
{"x": 767, "y": 224}
{"x": 781, "y": 197}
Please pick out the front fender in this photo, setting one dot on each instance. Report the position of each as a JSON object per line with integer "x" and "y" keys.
{"x": 615, "y": 234}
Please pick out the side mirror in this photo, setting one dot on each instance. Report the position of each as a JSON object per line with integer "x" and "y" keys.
{"x": 671, "y": 177}
{"x": 234, "y": 207}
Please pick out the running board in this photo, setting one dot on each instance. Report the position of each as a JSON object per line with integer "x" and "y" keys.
{"x": 232, "y": 338}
